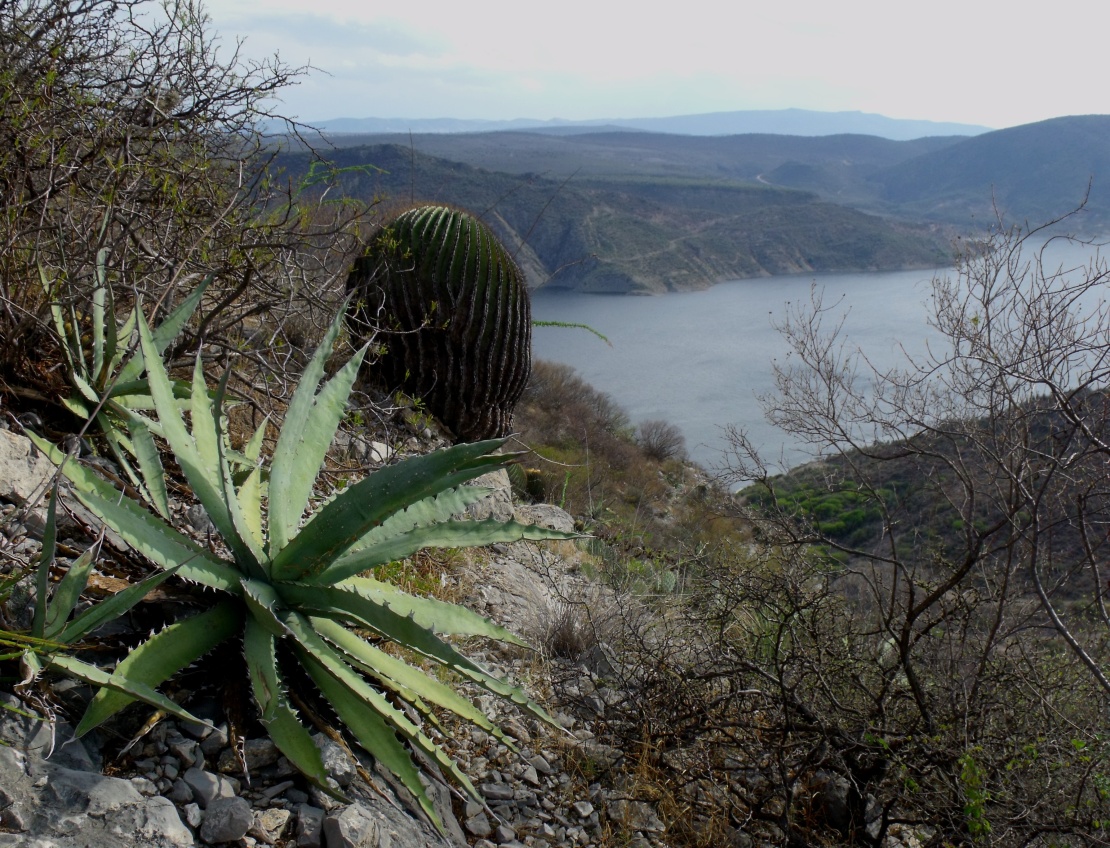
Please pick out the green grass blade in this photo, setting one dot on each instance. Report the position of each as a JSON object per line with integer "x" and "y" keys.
{"x": 357, "y": 510}
{"x": 449, "y": 534}
{"x": 163, "y": 655}
{"x": 298, "y": 454}
{"x": 137, "y": 691}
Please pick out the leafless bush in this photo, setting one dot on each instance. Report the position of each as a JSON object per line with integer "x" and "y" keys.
{"x": 660, "y": 440}
{"x": 133, "y": 146}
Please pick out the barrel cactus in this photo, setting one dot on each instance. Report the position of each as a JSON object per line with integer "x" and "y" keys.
{"x": 451, "y": 309}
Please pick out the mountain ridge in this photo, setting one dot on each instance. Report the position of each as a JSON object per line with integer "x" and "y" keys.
{"x": 803, "y": 122}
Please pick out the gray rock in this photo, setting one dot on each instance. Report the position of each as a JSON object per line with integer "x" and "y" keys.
{"x": 545, "y": 515}
{"x": 25, "y": 473}
{"x": 50, "y": 803}
{"x": 226, "y": 820}
{"x": 355, "y": 826}
{"x": 583, "y": 808}
{"x": 207, "y": 787}
{"x": 498, "y": 504}
{"x": 310, "y": 826}
{"x": 478, "y": 825}
{"x": 336, "y": 761}
{"x": 257, "y": 754}
{"x": 496, "y": 791}
{"x": 635, "y": 815}
{"x": 270, "y": 824}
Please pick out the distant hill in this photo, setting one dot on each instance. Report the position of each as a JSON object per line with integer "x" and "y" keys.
{"x": 642, "y": 234}
{"x": 802, "y": 122}
{"x": 1033, "y": 172}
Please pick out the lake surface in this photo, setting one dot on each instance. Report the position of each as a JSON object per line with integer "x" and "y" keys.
{"x": 701, "y": 359}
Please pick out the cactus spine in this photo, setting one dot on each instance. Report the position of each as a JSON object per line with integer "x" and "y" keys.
{"x": 452, "y": 309}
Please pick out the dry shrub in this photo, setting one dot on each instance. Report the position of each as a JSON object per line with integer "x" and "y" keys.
{"x": 661, "y": 440}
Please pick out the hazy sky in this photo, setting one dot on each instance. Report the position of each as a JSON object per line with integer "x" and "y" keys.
{"x": 973, "y": 61}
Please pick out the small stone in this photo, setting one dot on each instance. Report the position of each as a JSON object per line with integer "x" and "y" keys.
{"x": 496, "y": 791}
{"x": 540, "y": 764}
{"x": 276, "y": 789}
{"x": 504, "y": 834}
{"x": 583, "y": 809}
{"x": 193, "y": 815}
{"x": 530, "y": 776}
{"x": 310, "y": 826}
{"x": 336, "y": 761}
{"x": 296, "y": 797}
{"x": 226, "y": 820}
{"x": 207, "y": 787}
{"x": 257, "y": 754}
{"x": 186, "y": 750}
{"x": 145, "y": 786}
{"x": 180, "y": 793}
{"x": 269, "y": 824}
{"x": 478, "y": 825}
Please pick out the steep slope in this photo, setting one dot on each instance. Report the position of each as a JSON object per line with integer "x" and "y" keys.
{"x": 643, "y": 234}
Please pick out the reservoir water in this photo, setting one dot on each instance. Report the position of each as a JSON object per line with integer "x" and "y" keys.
{"x": 700, "y": 360}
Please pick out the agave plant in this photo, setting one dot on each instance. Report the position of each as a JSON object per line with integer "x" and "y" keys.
{"x": 306, "y": 594}
{"x": 105, "y": 370}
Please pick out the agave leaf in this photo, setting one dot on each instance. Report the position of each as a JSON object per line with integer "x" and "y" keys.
{"x": 314, "y": 650}
{"x": 59, "y": 317}
{"x": 112, "y": 607}
{"x": 46, "y": 559}
{"x": 209, "y": 432}
{"x": 440, "y": 617}
{"x": 263, "y": 604}
{"x": 206, "y": 480}
{"x": 307, "y": 431}
{"x": 378, "y": 616}
{"x": 125, "y": 331}
{"x": 428, "y": 511}
{"x": 148, "y": 534}
{"x": 449, "y": 534}
{"x": 161, "y": 544}
{"x": 163, "y": 655}
{"x": 150, "y": 463}
{"x": 375, "y": 736}
{"x": 104, "y": 680}
{"x": 99, "y": 318}
{"x": 86, "y": 390}
{"x": 410, "y": 682}
{"x": 357, "y": 510}
{"x": 250, "y": 491}
{"x": 164, "y": 333}
{"x": 291, "y": 737}
{"x": 68, "y": 593}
